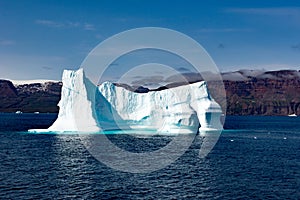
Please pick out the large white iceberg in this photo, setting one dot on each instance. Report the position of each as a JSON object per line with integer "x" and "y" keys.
{"x": 85, "y": 107}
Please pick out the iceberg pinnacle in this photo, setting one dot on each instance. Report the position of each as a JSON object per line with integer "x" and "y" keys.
{"x": 90, "y": 108}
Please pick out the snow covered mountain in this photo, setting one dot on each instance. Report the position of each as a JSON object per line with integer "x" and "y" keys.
{"x": 29, "y": 82}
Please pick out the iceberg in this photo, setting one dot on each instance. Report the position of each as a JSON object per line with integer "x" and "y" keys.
{"x": 85, "y": 107}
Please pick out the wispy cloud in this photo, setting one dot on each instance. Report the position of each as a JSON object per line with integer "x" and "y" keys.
{"x": 224, "y": 30}
{"x": 183, "y": 69}
{"x": 72, "y": 24}
{"x": 67, "y": 24}
{"x": 89, "y": 27}
{"x": 47, "y": 68}
{"x": 49, "y": 23}
{"x": 289, "y": 11}
{"x": 7, "y": 42}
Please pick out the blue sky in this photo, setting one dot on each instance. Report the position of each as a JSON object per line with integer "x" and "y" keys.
{"x": 38, "y": 39}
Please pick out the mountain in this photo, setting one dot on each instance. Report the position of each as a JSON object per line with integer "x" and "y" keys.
{"x": 263, "y": 93}
{"x": 248, "y": 92}
{"x": 32, "y": 97}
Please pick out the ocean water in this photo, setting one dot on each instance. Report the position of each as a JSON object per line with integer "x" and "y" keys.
{"x": 255, "y": 158}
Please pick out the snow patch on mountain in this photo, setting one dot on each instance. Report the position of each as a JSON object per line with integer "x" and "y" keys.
{"x": 28, "y": 82}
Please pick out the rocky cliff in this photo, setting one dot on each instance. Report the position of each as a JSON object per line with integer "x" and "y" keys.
{"x": 36, "y": 97}
{"x": 271, "y": 93}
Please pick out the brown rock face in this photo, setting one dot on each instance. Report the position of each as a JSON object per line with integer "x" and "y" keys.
{"x": 7, "y": 89}
{"x": 269, "y": 93}
{"x": 263, "y": 97}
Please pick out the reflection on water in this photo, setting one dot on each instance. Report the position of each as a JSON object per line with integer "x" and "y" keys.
{"x": 137, "y": 155}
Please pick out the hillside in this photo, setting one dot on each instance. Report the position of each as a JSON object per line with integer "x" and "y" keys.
{"x": 34, "y": 97}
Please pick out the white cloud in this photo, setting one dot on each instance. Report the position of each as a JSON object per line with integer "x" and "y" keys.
{"x": 49, "y": 23}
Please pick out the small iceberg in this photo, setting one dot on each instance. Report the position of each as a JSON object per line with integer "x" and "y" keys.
{"x": 19, "y": 112}
{"x": 292, "y": 115}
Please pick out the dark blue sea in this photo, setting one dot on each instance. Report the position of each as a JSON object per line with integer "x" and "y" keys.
{"x": 254, "y": 158}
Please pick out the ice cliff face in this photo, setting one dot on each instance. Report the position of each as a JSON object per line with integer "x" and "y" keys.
{"x": 85, "y": 107}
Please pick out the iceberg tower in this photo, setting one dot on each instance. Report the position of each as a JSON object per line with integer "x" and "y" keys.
{"x": 85, "y": 107}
